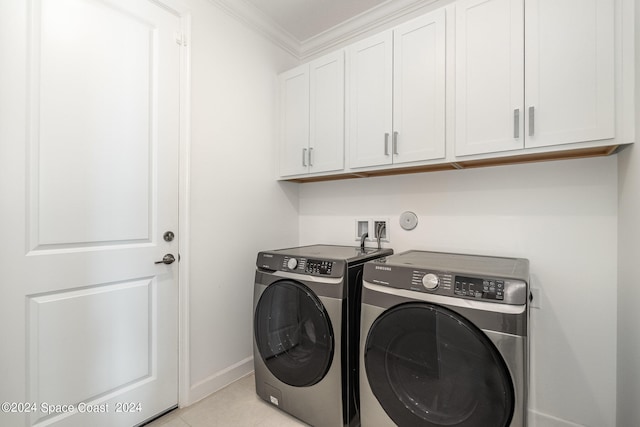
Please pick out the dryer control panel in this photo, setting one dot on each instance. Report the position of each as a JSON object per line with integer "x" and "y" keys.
{"x": 490, "y": 289}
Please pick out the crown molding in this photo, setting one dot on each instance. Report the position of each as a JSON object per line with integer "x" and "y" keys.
{"x": 369, "y": 21}
{"x": 376, "y": 18}
{"x": 256, "y": 20}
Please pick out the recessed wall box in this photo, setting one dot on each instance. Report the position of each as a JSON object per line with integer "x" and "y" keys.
{"x": 362, "y": 227}
{"x": 380, "y": 227}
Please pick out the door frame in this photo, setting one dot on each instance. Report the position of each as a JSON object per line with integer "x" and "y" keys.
{"x": 180, "y": 9}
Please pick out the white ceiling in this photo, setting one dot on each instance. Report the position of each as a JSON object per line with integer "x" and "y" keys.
{"x": 304, "y": 19}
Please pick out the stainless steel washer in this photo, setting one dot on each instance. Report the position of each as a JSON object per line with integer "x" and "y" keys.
{"x": 306, "y": 329}
{"x": 444, "y": 341}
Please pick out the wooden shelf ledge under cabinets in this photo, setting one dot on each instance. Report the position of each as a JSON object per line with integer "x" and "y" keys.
{"x": 468, "y": 164}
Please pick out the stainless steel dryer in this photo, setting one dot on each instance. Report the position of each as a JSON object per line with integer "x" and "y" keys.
{"x": 306, "y": 328}
{"x": 444, "y": 341}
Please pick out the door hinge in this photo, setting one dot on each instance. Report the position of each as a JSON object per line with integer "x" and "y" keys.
{"x": 181, "y": 39}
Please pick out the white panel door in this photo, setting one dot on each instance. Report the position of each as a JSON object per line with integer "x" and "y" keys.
{"x": 326, "y": 134}
{"x": 419, "y": 89}
{"x": 294, "y": 121}
{"x": 489, "y": 76}
{"x": 89, "y": 157}
{"x": 569, "y": 71}
{"x": 370, "y": 100}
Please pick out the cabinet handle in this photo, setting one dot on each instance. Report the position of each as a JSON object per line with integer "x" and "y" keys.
{"x": 516, "y": 123}
{"x": 386, "y": 144}
{"x": 304, "y": 157}
{"x": 395, "y": 143}
{"x": 310, "y": 158}
{"x": 532, "y": 120}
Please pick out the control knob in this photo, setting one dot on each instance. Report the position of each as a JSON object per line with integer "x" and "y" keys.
{"x": 430, "y": 281}
{"x": 292, "y": 263}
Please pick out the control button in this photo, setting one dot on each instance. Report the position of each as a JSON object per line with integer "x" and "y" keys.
{"x": 430, "y": 281}
{"x": 292, "y": 263}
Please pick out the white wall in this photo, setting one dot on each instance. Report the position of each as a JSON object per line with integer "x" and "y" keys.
{"x": 237, "y": 208}
{"x": 562, "y": 216}
{"x": 629, "y": 256}
{"x": 629, "y": 290}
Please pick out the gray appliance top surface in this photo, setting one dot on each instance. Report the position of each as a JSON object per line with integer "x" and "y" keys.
{"x": 348, "y": 254}
{"x": 514, "y": 268}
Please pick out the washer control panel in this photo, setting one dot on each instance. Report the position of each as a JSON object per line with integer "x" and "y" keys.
{"x": 309, "y": 266}
{"x": 492, "y": 289}
{"x": 300, "y": 265}
{"x": 318, "y": 267}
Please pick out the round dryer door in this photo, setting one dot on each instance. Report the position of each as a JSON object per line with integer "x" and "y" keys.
{"x": 429, "y": 366}
{"x": 293, "y": 333}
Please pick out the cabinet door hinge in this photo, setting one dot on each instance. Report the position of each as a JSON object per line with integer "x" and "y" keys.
{"x": 181, "y": 39}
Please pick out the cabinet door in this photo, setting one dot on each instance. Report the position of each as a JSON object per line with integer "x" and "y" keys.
{"x": 569, "y": 71}
{"x": 489, "y": 76}
{"x": 294, "y": 121}
{"x": 419, "y": 89}
{"x": 370, "y": 100}
{"x": 326, "y": 144}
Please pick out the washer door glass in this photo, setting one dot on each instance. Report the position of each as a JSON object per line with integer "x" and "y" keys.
{"x": 429, "y": 366}
{"x": 293, "y": 333}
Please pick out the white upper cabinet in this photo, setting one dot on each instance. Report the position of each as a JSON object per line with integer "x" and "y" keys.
{"x": 397, "y": 94}
{"x": 312, "y": 117}
{"x": 294, "y": 121}
{"x": 326, "y": 134}
{"x": 474, "y": 82}
{"x": 562, "y": 93}
{"x": 370, "y": 64}
{"x": 419, "y": 89}
{"x": 569, "y": 71}
{"x": 489, "y": 76}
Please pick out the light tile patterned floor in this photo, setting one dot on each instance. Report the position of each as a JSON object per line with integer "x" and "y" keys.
{"x": 236, "y": 405}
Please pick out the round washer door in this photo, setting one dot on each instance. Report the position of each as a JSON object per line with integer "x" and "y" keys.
{"x": 429, "y": 366}
{"x": 293, "y": 333}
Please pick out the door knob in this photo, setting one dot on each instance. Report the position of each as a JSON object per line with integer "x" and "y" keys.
{"x": 167, "y": 259}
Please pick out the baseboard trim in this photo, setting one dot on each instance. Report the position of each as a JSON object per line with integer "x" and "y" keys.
{"x": 219, "y": 380}
{"x": 539, "y": 419}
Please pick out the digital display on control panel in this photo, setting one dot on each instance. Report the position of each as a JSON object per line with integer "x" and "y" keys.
{"x": 479, "y": 288}
{"x": 318, "y": 267}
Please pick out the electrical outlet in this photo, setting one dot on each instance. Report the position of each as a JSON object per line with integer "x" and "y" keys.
{"x": 380, "y": 228}
{"x": 535, "y": 300}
